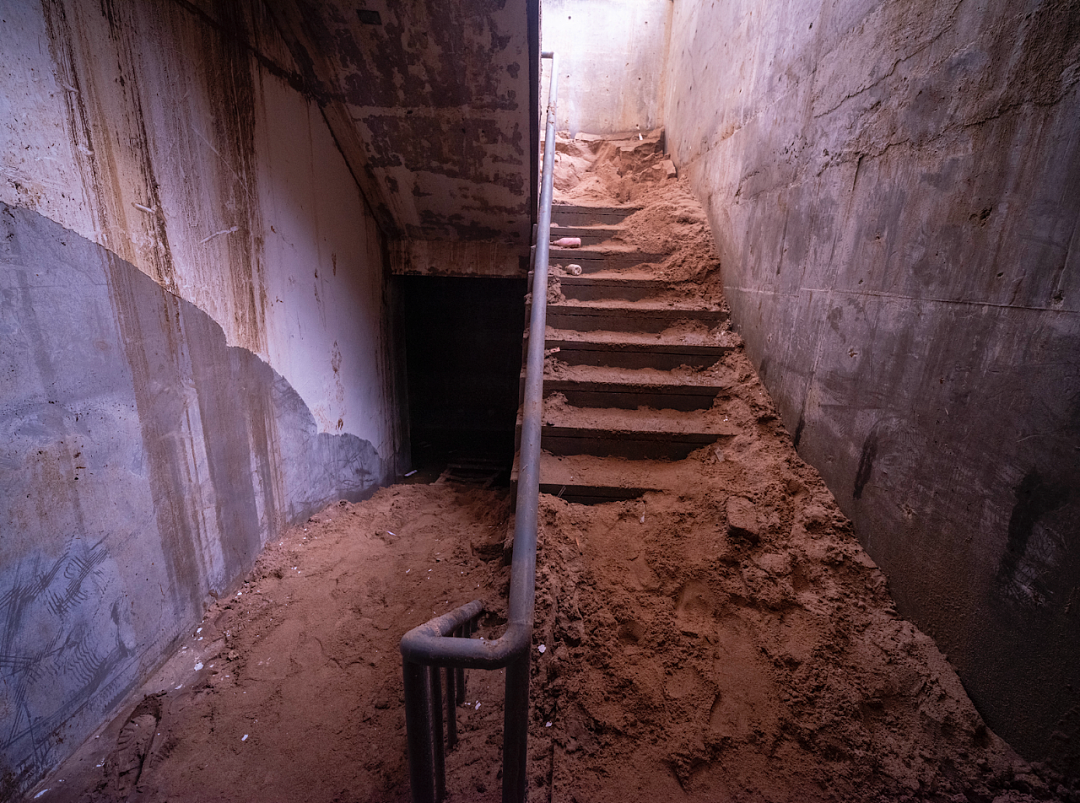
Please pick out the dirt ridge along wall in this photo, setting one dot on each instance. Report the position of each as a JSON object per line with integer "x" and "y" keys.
{"x": 196, "y": 342}
{"x": 894, "y": 190}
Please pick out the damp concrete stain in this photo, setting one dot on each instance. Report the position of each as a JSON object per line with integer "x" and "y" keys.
{"x": 233, "y": 88}
{"x": 797, "y": 437}
{"x": 107, "y": 127}
{"x": 153, "y": 354}
{"x": 866, "y": 464}
{"x": 1036, "y": 496}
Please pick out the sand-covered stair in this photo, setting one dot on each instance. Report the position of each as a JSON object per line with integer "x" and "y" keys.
{"x": 629, "y": 376}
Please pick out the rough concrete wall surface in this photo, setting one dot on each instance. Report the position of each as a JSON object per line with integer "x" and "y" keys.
{"x": 172, "y": 140}
{"x": 611, "y": 62}
{"x": 196, "y": 344}
{"x": 894, "y": 189}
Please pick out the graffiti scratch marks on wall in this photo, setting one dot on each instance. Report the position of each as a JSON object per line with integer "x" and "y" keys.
{"x": 66, "y": 644}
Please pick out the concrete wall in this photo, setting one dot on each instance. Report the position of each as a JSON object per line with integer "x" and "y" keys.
{"x": 611, "y": 57}
{"x": 894, "y": 188}
{"x": 196, "y": 341}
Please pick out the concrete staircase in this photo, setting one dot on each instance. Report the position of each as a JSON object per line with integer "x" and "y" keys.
{"x": 624, "y": 389}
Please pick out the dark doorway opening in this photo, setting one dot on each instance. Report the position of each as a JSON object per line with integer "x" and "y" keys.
{"x": 463, "y": 344}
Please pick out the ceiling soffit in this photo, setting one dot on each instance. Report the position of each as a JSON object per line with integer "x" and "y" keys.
{"x": 434, "y": 106}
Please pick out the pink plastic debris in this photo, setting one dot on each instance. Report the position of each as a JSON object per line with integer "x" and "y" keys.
{"x": 568, "y": 242}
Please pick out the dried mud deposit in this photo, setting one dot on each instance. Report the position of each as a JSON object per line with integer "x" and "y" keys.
{"x": 730, "y": 641}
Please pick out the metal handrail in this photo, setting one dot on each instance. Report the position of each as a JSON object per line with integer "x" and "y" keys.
{"x": 444, "y": 641}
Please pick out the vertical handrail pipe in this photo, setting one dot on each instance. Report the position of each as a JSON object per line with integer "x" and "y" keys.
{"x": 523, "y": 569}
{"x": 438, "y": 642}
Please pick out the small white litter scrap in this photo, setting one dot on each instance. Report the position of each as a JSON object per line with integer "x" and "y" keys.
{"x": 477, "y": 706}
{"x": 547, "y": 724}
{"x": 541, "y": 649}
{"x": 39, "y": 794}
{"x": 198, "y": 665}
{"x": 573, "y": 270}
{"x": 411, "y": 473}
{"x": 245, "y": 738}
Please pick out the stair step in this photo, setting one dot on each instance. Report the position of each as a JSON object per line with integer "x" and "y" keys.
{"x": 630, "y": 434}
{"x": 590, "y": 480}
{"x": 572, "y": 215}
{"x": 595, "y": 288}
{"x": 593, "y": 494}
{"x": 590, "y": 235}
{"x": 627, "y": 318}
{"x": 594, "y": 260}
{"x": 623, "y": 443}
{"x": 635, "y": 353}
{"x": 594, "y": 480}
{"x": 631, "y": 395}
{"x": 645, "y": 422}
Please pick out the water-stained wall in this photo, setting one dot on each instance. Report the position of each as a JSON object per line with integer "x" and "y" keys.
{"x": 196, "y": 341}
{"x": 894, "y": 189}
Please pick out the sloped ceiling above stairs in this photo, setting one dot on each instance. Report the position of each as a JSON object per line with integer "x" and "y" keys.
{"x": 434, "y": 107}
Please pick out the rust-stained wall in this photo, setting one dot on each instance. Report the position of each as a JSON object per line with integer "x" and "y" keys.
{"x": 196, "y": 340}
